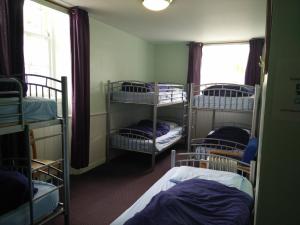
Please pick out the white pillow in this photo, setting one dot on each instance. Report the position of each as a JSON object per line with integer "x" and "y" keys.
{"x": 227, "y": 178}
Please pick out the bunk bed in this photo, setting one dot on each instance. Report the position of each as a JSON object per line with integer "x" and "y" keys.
{"x": 192, "y": 169}
{"x": 45, "y": 104}
{"x": 146, "y": 136}
{"x": 228, "y": 98}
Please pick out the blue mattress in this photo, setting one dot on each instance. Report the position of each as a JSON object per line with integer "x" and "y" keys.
{"x": 41, "y": 207}
{"x": 34, "y": 109}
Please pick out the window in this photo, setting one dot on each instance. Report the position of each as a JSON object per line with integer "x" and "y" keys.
{"x": 46, "y": 42}
{"x": 224, "y": 63}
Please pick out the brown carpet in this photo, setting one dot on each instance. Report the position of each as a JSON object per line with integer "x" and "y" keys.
{"x": 101, "y": 195}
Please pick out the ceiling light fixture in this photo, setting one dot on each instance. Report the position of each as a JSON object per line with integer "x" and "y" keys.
{"x": 156, "y": 5}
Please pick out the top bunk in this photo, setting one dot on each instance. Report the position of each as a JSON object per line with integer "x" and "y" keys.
{"x": 224, "y": 97}
{"x": 146, "y": 93}
{"x": 40, "y": 101}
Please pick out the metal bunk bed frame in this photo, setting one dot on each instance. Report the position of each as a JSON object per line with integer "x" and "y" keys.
{"x": 214, "y": 162}
{"x": 156, "y": 102}
{"x": 22, "y": 126}
{"x": 197, "y": 89}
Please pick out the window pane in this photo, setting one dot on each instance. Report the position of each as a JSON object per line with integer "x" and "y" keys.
{"x": 224, "y": 63}
{"x": 46, "y": 43}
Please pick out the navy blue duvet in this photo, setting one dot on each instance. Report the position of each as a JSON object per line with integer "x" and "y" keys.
{"x": 196, "y": 202}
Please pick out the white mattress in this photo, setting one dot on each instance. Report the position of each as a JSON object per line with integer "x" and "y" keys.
{"x": 148, "y": 97}
{"x": 225, "y": 103}
{"x": 164, "y": 183}
{"x": 121, "y": 142}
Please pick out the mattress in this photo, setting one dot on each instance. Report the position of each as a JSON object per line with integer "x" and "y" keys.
{"x": 224, "y": 103}
{"x": 121, "y": 142}
{"x": 34, "y": 109}
{"x": 164, "y": 183}
{"x": 42, "y": 206}
{"x": 148, "y": 97}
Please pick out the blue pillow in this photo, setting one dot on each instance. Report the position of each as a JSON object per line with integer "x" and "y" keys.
{"x": 250, "y": 151}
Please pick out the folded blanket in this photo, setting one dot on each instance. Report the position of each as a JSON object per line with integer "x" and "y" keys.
{"x": 196, "y": 202}
{"x": 231, "y": 91}
{"x": 145, "y": 128}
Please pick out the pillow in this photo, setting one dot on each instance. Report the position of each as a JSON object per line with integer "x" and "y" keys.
{"x": 250, "y": 151}
{"x": 227, "y": 178}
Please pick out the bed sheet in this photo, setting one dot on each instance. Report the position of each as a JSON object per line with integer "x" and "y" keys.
{"x": 34, "y": 109}
{"x": 121, "y": 142}
{"x": 41, "y": 207}
{"x": 164, "y": 183}
{"x": 225, "y": 103}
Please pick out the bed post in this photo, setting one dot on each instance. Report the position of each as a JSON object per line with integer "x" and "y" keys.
{"x": 190, "y": 112}
{"x": 185, "y": 105}
{"x": 108, "y": 120}
{"x": 173, "y": 158}
{"x": 29, "y": 171}
{"x": 156, "y": 96}
{"x": 64, "y": 86}
{"x": 255, "y": 110}
{"x": 252, "y": 171}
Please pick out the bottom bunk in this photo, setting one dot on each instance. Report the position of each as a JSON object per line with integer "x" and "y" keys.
{"x": 139, "y": 137}
{"x": 230, "y": 141}
{"x": 45, "y": 202}
{"x": 24, "y": 202}
{"x": 169, "y": 200}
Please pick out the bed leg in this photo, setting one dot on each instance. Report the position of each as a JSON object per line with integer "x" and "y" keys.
{"x": 173, "y": 158}
{"x": 66, "y": 219}
{"x": 152, "y": 161}
{"x": 252, "y": 171}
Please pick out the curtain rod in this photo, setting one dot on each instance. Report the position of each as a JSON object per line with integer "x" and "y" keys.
{"x": 220, "y": 43}
{"x": 57, "y": 4}
{"x": 226, "y": 42}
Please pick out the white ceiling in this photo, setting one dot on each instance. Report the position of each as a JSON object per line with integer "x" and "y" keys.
{"x": 184, "y": 20}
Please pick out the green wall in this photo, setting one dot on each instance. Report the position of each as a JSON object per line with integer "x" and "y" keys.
{"x": 116, "y": 55}
{"x": 278, "y": 181}
{"x": 171, "y": 62}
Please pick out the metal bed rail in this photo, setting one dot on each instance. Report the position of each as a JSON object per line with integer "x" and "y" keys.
{"x": 18, "y": 93}
{"x": 220, "y": 97}
{"x": 45, "y": 87}
{"x": 132, "y": 140}
{"x": 214, "y": 162}
{"x": 218, "y": 144}
{"x": 146, "y": 93}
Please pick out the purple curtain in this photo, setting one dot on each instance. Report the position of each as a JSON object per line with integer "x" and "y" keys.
{"x": 252, "y": 75}
{"x": 195, "y": 58}
{"x": 11, "y": 41}
{"x": 80, "y": 49}
{"x": 11, "y": 62}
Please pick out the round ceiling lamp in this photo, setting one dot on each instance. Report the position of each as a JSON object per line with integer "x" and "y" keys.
{"x": 156, "y": 5}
